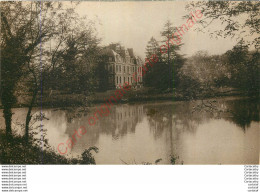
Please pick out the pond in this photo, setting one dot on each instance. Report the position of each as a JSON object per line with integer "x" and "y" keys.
{"x": 216, "y": 131}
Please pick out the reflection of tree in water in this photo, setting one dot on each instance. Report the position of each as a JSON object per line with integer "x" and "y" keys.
{"x": 171, "y": 120}
{"x": 243, "y": 112}
{"x": 164, "y": 120}
{"x": 74, "y": 113}
{"x": 159, "y": 117}
{"x": 178, "y": 116}
{"x": 240, "y": 111}
{"x": 187, "y": 119}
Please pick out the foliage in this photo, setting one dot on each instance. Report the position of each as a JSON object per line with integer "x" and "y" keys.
{"x": 173, "y": 160}
{"x": 237, "y": 68}
{"x": 244, "y": 68}
{"x": 24, "y": 26}
{"x": 43, "y": 46}
{"x": 204, "y": 75}
{"x": 18, "y": 151}
{"x": 102, "y": 74}
{"x": 164, "y": 75}
{"x": 238, "y": 19}
{"x": 152, "y": 48}
{"x": 75, "y": 62}
{"x": 143, "y": 163}
{"x": 87, "y": 157}
{"x": 198, "y": 75}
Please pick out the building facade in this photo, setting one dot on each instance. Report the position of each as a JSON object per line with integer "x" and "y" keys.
{"x": 122, "y": 65}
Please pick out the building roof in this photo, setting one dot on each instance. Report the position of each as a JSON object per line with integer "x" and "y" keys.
{"x": 131, "y": 52}
{"x": 115, "y": 50}
{"x": 109, "y": 52}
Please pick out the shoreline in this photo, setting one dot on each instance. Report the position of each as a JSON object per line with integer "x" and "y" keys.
{"x": 131, "y": 100}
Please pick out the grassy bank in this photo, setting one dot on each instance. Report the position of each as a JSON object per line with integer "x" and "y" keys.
{"x": 59, "y": 99}
{"x": 141, "y": 95}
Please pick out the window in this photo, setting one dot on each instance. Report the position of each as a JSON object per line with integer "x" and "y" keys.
{"x": 116, "y": 68}
{"x": 124, "y": 79}
{"x": 139, "y": 70}
{"x": 128, "y": 79}
{"x": 120, "y": 68}
{"x": 124, "y": 69}
{"x": 116, "y": 79}
{"x": 131, "y": 79}
{"x": 111, "y": 68}
{"x": 120, "y": 80}
{"x": 127, "y": 69}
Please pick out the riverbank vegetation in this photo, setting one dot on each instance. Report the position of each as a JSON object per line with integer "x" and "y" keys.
{"x": 19, "y": 151}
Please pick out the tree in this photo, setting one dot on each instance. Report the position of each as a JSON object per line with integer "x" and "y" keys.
{"x": 152, "y": 48}
{"x": 69, "y": 59}
{"x": 21, "y": 33}
{"x": 35, "y": 40}
{"x": 238, "y": 19}
{"x": 102, "y": 74}
{"x": 202, "y": 74}
{"x": 172, "y": 58}
{"x": 244, "y": 68}
{"x": 164, "y": 75}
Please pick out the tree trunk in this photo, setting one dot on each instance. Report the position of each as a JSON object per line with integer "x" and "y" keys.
{"x": 8, "y": 120}
{"x": 8, "y": 100}
{"x": 29, "y": 116}
{"x": 169, "y": 65}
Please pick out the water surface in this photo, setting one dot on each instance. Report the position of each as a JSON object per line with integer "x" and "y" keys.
{"x": 222, "y": 132}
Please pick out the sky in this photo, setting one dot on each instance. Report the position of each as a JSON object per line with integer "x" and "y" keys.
{"x": 134, "y": 23}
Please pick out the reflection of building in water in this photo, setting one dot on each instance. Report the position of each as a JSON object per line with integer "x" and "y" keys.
{"x": 124, "y": 118}
{"x": 121, "y": 120}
